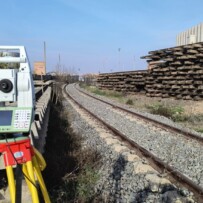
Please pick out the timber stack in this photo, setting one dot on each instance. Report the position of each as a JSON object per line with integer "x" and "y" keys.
{"x": 129, "y": 81}
{"x": 176, "y": 72}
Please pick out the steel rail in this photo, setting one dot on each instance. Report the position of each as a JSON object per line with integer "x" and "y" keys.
{"x": 172, "y": 172}
{"x": 155, "y": 122}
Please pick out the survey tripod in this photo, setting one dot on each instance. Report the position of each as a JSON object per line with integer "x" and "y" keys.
{"x": 17, "y": 104}
{"x": 20, "y": 151}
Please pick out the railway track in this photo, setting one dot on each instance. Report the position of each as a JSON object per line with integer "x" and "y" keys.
{"x": 160, "y": 124}
{"x": 162, "y": 164}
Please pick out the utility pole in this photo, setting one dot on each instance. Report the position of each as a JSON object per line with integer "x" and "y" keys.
{"x": 59, "y": 66}
{"x": 45, "y": 58}
{"x": 59, "y": 61}
{"x": 134, "y": 60}
{"x": 119, "y": 58}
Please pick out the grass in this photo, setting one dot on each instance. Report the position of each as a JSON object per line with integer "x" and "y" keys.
{"x": 106, "y": 93}
{"x": 200, "y": 130}
{"x": 87, "y": 178}
{"x": 176, "y": 113}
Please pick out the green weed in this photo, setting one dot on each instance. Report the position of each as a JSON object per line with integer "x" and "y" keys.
{"x": 176, "y": 113}
{"x": 86, "y": 181}
{"x": 107, "y": 93}
{"x": 200, "y": 130}
{"x": 99, "y": 92}
{"x": 129, "y": 102}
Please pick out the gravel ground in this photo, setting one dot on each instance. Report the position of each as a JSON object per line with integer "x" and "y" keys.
{"x": 185, "y": 155}
{"x": 121, "y": 177}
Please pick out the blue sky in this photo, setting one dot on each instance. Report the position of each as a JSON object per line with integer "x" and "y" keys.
{"x": 94, "y": 36}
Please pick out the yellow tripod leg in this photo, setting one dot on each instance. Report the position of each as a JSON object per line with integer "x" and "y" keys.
{"x": 26, "y": 176}
{"x": 11, "y": 183}
{"x": 40, "y": 159}
{"x": 41, "y": 180}
{"x": 33, "y": 188}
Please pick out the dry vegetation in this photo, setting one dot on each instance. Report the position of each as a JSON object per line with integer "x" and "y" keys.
{"x": 71, "y": 172}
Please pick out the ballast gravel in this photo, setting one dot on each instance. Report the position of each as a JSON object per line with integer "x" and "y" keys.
{"x": 185, "y": 155}
{"x": 122, "y": 180}
{"x": 158, "y": 118}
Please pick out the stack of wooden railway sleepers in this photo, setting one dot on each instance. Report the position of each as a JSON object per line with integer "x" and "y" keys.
{"x": 176, "y": 72}
{"x": 130, "y": 81}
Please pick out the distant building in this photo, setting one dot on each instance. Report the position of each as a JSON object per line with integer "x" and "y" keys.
{"x": 39, "y": 68}
{"x": 190, "y": 36}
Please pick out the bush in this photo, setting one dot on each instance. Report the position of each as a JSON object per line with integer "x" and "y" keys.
{"x": 129, "y": 102}
{"x": 173, "y": 112}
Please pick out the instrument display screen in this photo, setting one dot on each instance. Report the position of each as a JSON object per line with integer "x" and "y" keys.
{"x": 6, "y": 118}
